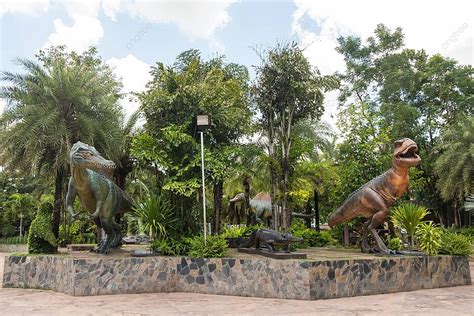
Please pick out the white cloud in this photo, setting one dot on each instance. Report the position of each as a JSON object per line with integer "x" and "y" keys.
{"x": 438, "y": 27}
{"x": 30, "y": 7}
{"x": 111, "y": 7}
{"x": 86, "y": 29}
{"x": 197, "y": 19}
{"x": 135, "y": 74}
{"x": 84, "y": 32}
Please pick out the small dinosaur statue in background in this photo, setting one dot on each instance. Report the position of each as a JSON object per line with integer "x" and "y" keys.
{"x": 260, "y": 206}
{"x": 91, "y": 182}
{"x": 374, "y": 198}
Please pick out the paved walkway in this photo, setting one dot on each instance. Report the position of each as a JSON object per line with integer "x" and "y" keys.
{"x": 445, "y": 301}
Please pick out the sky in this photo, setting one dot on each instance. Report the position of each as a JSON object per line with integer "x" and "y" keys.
{"x": 133, "y": 35}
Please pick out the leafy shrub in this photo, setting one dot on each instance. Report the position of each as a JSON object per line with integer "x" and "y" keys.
{"x": 311, "y": 238}
{"x": 409, "y": 216}
{"x": 429, "y": 238}
{"x": 171, "y": 247}
{"x": 236, "y": 231}
{"x": 466, "y": 231}
{"x": 455, "y": 244}
{"x": 41, "y": 238}
{"x": 7, "y": 229}
{"x": 16, "y": 240}
{"x": 214, "y": 247}
{"x": 394, "y": 243}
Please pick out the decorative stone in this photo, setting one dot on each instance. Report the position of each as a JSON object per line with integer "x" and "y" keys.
{"x": 262, "y": 277}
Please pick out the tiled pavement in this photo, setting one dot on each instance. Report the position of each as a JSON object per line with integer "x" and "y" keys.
{"x": 445, "y": 301}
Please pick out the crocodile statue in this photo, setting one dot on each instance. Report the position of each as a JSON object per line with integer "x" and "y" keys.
{"x": 270, "y": 239}
{"x": 260, "y": 206}
{"x": 374, "y": 198}
{"x": 91, "y": 181}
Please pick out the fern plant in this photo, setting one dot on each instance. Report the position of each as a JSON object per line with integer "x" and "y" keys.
{"x": 215, "y": 246}
{"x": 408, "y": 216}
{"x": 429, "y": 238}
{"x": 455, "y": 244}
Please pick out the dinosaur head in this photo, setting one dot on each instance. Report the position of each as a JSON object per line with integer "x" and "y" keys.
{"x": 85, "y": 156}
{"x": 405, "y": 153}
{"x": 287, "y": 238}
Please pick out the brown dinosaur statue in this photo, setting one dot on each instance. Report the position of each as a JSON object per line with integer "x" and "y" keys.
{"x": 374, "y": 198}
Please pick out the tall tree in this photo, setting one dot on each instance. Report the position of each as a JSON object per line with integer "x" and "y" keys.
{"x": 410, "y": 94}
{"x": 65, "y": 98}
{"x": 288, "y": 90}
{"x": 176, "y": 94}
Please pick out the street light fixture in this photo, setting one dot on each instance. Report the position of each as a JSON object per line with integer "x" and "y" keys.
{"x": 203, "y": 122}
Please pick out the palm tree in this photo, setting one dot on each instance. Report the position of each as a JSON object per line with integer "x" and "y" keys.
{"x": 66, "y": 98}
{"x": 454, "y": 166}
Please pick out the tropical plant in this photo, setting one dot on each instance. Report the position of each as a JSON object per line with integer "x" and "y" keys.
{"x": 156, "y": 215}
{"x": 429, "y": 237}
{"x": 175, "y": 95}
{"x": 235, "y": 231}
{"x": 40, "y": 237}
{"x": 408, "y": 216}
{"x": 455, "y": 244}
{"x": 311, "y": 237}
{"x": 288, "y": 90}
{"x": 14, "y": 240}
{"x": 171, "y": 247}
{"x": 215, "y": 246}
{"x": 66, "y": 98}
{"x": 454, "y": 165}
{"x": 394, "y": 243}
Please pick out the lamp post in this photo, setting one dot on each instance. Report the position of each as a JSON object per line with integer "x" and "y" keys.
{"x": 203, "y": 122}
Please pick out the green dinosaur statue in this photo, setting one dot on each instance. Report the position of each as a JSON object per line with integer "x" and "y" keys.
{"x": 91, "y": 182}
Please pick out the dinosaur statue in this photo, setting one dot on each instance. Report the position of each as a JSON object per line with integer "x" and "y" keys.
{"x": 270, "y": 238}
{"x": 261, "y": 207}
{"x": 374, "y": 198}
{"x": 91, "y": 182}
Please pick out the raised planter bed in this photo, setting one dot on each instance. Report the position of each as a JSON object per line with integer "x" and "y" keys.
{"x": 256, "y": 277}
{"x": 21, "y": 248}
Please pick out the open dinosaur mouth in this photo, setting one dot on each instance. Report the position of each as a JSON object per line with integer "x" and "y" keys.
{"x": 409, "y": 154}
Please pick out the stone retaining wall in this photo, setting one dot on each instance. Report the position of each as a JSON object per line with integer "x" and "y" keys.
{"x": 13, "y": 248}
{"x": 290, "y": 279}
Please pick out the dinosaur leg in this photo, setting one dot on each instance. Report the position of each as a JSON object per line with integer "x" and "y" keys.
{"x": 365, "y": 242}
{"x": 97, "y": 222}
{"x": 378, "y": 219}
{"x": 374, "y": 202}
{"x": 106, "y": 244}
{"x": 117, "y": 235}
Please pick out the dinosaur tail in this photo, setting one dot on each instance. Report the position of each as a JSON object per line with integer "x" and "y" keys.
{"x": 339, "y": 216}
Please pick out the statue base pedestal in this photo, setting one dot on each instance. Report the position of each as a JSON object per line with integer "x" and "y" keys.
{"x": 274, "y": 255}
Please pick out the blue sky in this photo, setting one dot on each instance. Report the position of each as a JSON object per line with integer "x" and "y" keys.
{"x": 134, "y": 34}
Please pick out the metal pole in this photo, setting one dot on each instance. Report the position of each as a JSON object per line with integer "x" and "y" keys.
{"x": 203, "y": 186}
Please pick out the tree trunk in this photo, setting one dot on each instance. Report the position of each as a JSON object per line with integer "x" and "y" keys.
{"x": 271, "y": 152}
{"x": 247, "y": 211}
{"x": 58, "y": 199}
{"x": 316, "y": 210}
{"x": 284, "y": 201}
{"x": 217, "y": 207}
